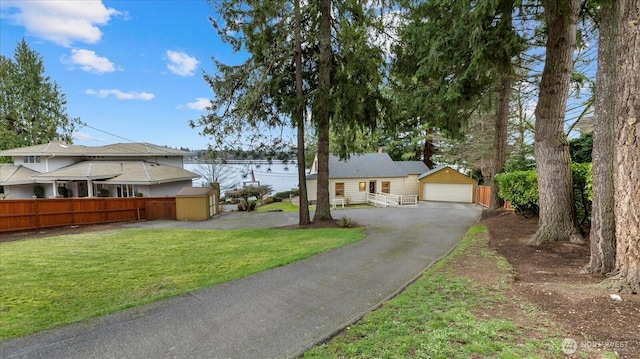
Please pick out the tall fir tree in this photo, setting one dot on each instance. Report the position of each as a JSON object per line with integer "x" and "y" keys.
{"x": 557, "y": 212}
{"x": 32, "y": 106}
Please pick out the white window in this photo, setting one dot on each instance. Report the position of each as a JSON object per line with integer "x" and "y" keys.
{"x": 31, "y": 159}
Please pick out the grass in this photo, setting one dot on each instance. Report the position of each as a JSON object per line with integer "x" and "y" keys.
{"x": 439, "y": 316}
{"x": 278, "y": 206}
{"x": 58, "y": 280}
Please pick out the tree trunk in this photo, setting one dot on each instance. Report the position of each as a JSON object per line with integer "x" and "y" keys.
{"x": 502, "y": 112}
{"x": 323, "y": 208}
{"x": 602, "y": 234}
{"x": 627, "y": 157}
{"x": 428, "y": 150}
{"x": 303, "y": 211}
{"x": 557, "y": 212}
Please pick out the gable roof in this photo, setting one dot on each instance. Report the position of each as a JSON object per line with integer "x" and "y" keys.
{"x": 124, "y": 172}
{"x": 445, "y": 167}
{"x": 59, "y": 148}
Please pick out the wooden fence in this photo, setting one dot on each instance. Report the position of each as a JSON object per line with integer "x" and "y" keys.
{"x": 34, "y": 214}
{"x": 484, "y": 197}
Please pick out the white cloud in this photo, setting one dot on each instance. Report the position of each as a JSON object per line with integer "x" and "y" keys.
{"x": 200, "y": 104}
{"x": 62, "y": 22}
{"x": 181, "y": 64}
{"x": 120, "y": 95}
{"x": 89, "y": 61}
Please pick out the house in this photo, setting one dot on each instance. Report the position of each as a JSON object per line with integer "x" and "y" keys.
{"x": 353, "y": 179}
{"x": 118, "y": 170}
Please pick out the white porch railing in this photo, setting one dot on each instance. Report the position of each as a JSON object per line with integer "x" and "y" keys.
{"x": 385, "y": 199}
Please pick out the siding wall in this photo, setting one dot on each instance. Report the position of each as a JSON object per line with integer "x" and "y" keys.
{"x": 352, "y": 193}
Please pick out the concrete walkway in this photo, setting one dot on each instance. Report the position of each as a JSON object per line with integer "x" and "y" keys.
{"x": 278, "y": 313}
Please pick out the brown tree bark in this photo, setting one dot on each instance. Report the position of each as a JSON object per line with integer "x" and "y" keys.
{"x": 303, "y": 211}
{"x": 602, "y": 234}
{"x": 627, "y": 155}
{"x": 428, "y": 150}
{"x": 557, "y": 212}
{"x": 323, "y": 207}
{"x": 502, "y": 112}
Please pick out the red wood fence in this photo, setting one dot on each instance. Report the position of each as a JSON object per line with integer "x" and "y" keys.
{"x": 34, "y": 214}
{"x": 484, "y": 197}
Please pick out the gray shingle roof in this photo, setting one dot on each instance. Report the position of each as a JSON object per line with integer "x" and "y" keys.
{"x": 125, "y": 172}
{"x": 15, "y": 175}
{"x": 365, "y": 166}
{"x": 119, "y": 149}
{"x": 413, "y": 167}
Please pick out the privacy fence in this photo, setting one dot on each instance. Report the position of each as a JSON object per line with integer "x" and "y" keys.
{"x": 484, "y": 197}
{"x": 34, "y": 214}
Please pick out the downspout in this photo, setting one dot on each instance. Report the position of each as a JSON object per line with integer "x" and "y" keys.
{"x": 55, "y": 182}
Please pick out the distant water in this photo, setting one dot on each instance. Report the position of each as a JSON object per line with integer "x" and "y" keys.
{"x": 281, "y": 177}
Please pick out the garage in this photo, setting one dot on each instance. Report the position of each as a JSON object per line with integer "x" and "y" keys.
{"x": 448, "y": 192}
{"x": 445, "y": 184}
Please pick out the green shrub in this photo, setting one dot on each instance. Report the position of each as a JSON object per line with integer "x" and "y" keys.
{"x": 345, "y": 222}
{"x": 38, "y": 191}
{"x": 287, "y": 194}
{"x": 582, "y": 191}
{"x": 520, "y": 188}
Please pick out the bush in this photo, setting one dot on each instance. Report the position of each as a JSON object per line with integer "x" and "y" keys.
{"x": 520, "y": 188}
{"x": 38, "y": 191}
{"x": 345, "y": 222}
{"x": 582, "y": 191}
{"x": 287, "y": 194}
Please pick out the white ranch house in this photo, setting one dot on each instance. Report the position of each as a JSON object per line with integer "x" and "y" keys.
{"x": 121, "y": 170}
{"x": 354, "y": 180}
{"x": 377, "y": 179}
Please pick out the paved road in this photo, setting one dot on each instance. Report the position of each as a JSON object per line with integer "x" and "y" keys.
{"x": 278, "y": 313}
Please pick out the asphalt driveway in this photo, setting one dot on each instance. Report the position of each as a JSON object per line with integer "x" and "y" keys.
{"x": 278, "y": 313}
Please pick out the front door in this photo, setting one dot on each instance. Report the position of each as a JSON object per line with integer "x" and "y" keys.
{"x": 83, "y": 191}
{"x": 372, "y": 186}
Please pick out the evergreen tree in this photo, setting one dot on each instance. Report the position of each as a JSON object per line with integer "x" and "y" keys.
{"x": 32, "y": 107}
{"x": 557, "y": 212}
{"x": 337, "y": 85}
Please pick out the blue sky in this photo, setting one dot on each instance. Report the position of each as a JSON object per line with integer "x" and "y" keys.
{"x": 128, "y": 68}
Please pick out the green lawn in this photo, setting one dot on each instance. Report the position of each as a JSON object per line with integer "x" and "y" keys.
{"x": 441, "y": 316}
{"x": 278, "y": 206}
{"x": 52, "y": 281}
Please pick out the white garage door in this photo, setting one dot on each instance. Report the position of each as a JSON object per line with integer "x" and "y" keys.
{"x": 448, "y": 192}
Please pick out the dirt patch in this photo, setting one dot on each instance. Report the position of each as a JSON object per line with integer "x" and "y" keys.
{"x": 550, "y": 277}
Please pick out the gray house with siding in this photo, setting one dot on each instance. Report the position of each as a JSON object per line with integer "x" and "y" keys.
{"x": 117, "y": 170}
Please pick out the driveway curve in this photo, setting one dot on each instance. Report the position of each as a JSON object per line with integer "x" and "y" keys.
{"x": 278, "y": 313}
